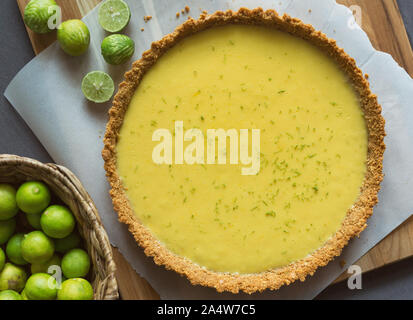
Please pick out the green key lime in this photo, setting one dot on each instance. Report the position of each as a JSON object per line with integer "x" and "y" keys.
{"x": 24, "y": 295}
{"x": 12, "y": 278}
{"x": 74, "y": 37}
{"x": 14, "y": 249}
{"x": 8, "y": 204}
{"x": 33, "y": 197}
{"x": 75, "y": 264}
{"x": 70, "y": 242}
{"x": 75, "y": 289}
{"x": 37, "y": 247}
{"x": 10, "y": 295}
{"x": 98, "y": 86}
{"x": 2, "y": 259}
{"x": 114, "y": 15}
{"x": 117, "y": 49}
{"x": 34, "y": 220}
{"x": 57, "y": 221}
{"x": 7, "y": 228}
{"x": 44, "y": 267}
{"x": 37, "y": 15}
{"x": 41, "y": 286}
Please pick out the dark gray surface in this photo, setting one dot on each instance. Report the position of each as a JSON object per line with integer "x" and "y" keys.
{"x": 387, "y": 283}
{"x": 15, "y": 52}
{"x": 392, "y": 282}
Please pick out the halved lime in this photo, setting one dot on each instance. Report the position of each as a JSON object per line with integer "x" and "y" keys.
{"x": 114, "y": 15}
{"x": 98, "y": 86}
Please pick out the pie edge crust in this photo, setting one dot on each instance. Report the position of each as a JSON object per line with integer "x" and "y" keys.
{"x": 356, "y": 219}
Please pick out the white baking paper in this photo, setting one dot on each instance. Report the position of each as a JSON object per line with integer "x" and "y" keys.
{"x": 46, "y": 93}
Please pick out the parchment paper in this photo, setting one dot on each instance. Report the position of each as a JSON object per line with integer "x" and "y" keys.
{"x": 46, "y": 93}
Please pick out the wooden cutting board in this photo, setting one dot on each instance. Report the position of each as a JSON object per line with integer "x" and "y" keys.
{"x": 383, "y": 23}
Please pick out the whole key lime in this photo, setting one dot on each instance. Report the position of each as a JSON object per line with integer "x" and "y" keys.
{"x": 72, "y": 241}
{"x": 33, "y": 197}
{"x": 57, "y": 221}
{"x": 37, "y": 247}
{"x": 75, "y": 289}
{"x": 117, "y": 48}
{"x": 75, "y": 264}
{"x": 14, "y": 249}
{"x": 41, "y": 286}
{"x": 34, "y": 220}
{"x": 10, "y": 295}
{"x": 114, "y": 15}
{"x": 12, "y": 278}
{"x": 8, "y": 204}
{"x": 7, "y": 228}
{"x": 44, "y": 266}
{"x": 37, "y": 14}
{"x": 98, "y": 86}
{"x": 74, "y": 37}
{"x": 24, "y": 295}
{"x": 2, "y": 259}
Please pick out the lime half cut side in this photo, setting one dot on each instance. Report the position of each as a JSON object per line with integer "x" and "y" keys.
{"x": 98, "y": 86}
{"x": 114, "y": 15}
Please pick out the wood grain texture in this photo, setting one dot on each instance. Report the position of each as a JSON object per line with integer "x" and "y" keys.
{"x": 383, "y": 23}
{"x": 70, "y": 10}
{"x": 131, "y": 285}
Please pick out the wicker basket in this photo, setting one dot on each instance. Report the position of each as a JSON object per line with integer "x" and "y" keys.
{"x": 15, "y": 169}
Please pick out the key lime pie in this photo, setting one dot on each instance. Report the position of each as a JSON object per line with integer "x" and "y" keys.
{"x": 234, "y": 219}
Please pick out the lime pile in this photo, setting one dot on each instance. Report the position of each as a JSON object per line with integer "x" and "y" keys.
{"x": 43, "y": 259}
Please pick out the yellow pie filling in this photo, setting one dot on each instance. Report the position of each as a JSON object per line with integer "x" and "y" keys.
{"x": 313, "y": 148}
